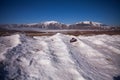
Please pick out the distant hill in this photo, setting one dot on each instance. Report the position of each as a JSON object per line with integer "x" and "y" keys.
{"x": 54, "y": 25}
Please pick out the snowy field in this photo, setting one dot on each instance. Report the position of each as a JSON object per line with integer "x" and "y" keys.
{"x": 56, "y": 58}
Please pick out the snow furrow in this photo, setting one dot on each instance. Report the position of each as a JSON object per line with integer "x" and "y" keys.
{"x": 65, "y": 64}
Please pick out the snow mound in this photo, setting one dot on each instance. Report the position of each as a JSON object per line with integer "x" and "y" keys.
{"x": 8, "y": 42}
{"x": 56, "y": 58}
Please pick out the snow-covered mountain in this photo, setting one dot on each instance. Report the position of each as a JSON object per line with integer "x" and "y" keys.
{"x": 88, "y": 25}
{"x": 59, "y": 57}
{"x": 53, "y": 25}
{"x": 35, "y": 26}
{"x": 47, "y": 25}
{"x": 50, "y": 22}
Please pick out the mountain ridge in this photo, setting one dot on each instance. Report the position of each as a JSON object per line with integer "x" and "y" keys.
{"x": 55, "y": 25}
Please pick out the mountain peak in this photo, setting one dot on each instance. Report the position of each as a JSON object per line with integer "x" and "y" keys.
{"x": 84, "y": 22}
{"x": 50, "y": 22}
{"x": 90, "y": 23}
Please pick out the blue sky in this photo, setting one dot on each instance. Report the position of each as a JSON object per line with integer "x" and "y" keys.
{"x": 65, "y": 11}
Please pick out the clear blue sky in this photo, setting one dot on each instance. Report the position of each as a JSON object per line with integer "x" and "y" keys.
{"x": 65, "y": 11}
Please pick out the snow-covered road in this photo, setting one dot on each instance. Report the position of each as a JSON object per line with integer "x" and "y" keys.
{"x": 56, "y": 58}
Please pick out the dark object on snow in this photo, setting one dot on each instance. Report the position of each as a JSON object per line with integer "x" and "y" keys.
{"x": 73, "y": 40}
{"x": 116, "y": 78}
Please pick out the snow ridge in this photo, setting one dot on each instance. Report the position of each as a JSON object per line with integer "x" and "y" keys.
{"x": 56, "y": 58}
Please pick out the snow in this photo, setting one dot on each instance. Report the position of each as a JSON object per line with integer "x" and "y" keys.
{"x": 88, "y": 22}
{"x": 8, "y": 42}
{"x": 50, "y": 22}
{"x": 96, "y": 23}
{"x": 55, "y": 58}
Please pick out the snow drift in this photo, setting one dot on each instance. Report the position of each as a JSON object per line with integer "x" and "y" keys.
{"x": 56, "y": 58}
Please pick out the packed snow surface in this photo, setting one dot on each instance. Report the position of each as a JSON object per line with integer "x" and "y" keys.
{"x": 56, "y": 58}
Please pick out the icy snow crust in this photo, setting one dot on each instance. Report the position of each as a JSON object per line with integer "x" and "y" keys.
{"x": 55, "y": 58}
